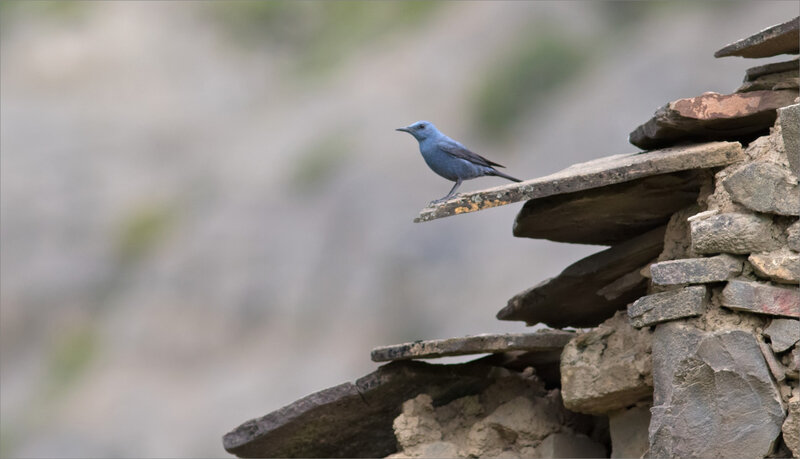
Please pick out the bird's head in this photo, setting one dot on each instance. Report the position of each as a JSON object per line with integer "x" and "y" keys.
{"x": 421, "y": 130}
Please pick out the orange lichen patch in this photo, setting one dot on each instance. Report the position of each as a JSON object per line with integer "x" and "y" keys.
{"x": 485, "y": 204}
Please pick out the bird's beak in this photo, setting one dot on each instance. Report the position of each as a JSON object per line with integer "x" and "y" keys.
{"x": 404, "y": 129}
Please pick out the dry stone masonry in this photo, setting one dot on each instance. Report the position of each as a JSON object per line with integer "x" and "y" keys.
{"x": 694, "y": 308}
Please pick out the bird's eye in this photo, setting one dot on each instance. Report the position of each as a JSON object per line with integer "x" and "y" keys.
{"x": 420, "y": 127}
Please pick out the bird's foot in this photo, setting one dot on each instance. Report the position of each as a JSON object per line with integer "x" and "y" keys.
{"x": 441, "y": 200}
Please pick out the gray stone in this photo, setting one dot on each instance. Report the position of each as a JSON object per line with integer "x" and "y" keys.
{"x": 733, "y": 233}
{"x": 610, "y": 214}
{"x": 783, "y": 333}
{"x": 761, "y": 298}
{"x": 546, "y": 342}
{"x": 576, "y": 296}
{"x": 774, "y": 40}
{"x": 793, "y": 236}
{"x": 753, "y": 73}
{"x": 354, "y": 419}
{"x": 628, "y": 430}
{"x": 569, "y": 445}
{"x": 764, "y": 187}
{"x": 713, "y": 395}
{"x": 790, "y": 131}
{"x": 775, "y": 368}
{"x": 669, "y": 305}
{"x": 607, "y": 368}
{"x": 791, "y": 427}
{"x": 593, "y": 174}
{"x": 712, "y": 116}
{"x": 696, "y": 270}
{"x": 780, "y": 266}
{"x": 773, "y": 81}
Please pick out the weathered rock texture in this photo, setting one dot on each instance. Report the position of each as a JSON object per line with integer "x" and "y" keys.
{"x": 761, "y": 298}
{"x": 712, "y": 116}
{"x": 696, "y": 270}
{"x": 628, "y": 429}
{"x": 779, "y": 266}
{"x": 590, "y": 290}
{"x": 734, "y": 233}
{"x": 790, "y": 131}
{"x": 608, "y": 368}
{"x": 778, "y": 39}
{"x": 765, "y": 187}
{"x": 670, "y": 305}
{"x": 592, "y": 174}
{"x": 791, "y": 427}
{"x": 714, "y": 396}
{"x": 783, "y": 333}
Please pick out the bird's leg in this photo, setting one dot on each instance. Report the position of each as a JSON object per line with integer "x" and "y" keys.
{"x": 450, "y": 194}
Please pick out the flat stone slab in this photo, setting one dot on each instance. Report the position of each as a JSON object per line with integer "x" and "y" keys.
{"x": 611, "y": 214}
{"x": 696, "y": 270}
{"x": 598, "y": 173}
{"x": 670, "y": 305}
{"x": 754, "y": 73}
{"x": 778, "y": 39}
{"x": 765, "y": 187}
{"x": 544, "y": 341}
{"x": 783, "y": 333}
{"x": 712, "y": 116}
{"x": 354, "y": 419}
{"x": 761, "y": 298}
{"x": 579, "y": 297}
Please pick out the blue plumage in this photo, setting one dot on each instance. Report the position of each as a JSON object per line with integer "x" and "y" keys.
{"x": 449, "y": 158}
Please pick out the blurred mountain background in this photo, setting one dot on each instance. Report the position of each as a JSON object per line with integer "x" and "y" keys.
{"x": 207, "y": 214}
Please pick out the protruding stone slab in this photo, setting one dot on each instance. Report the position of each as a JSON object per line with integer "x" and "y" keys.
{"x": 694, "y": 370}
{"x": 783, "y": 333}
{"x": 696, "y": 270}
{"x": 593, "y": 174}
{"x": 790, "y": 131}
{"x": 781, "y": 266}
{"x": 354, "y": 420}
{"x": 789, "y": 79}
{"x": 607, "y": 368}
{"x": 753, "y": 73}
{"x": 547, "y": 342}
{"x": 733, "y": 233}
{"x": 761, "y": 298}
{"x": 577, "y": 297}
{"x": 611, "y": 214}
{"x": 765, "y": 187}
{"x": 670, "y": 305}
{"x": 778, "y": 39}
{"x": 712, "y": 116}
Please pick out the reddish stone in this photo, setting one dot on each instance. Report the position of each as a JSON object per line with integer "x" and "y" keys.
{"x": 713, "y": 116}
{"x": 761, "y": 298}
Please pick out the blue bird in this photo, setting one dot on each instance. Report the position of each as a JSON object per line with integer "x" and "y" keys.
{"x": 449, "y": 158}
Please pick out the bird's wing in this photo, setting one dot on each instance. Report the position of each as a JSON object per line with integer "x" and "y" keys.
{"x": 457, "y": 150}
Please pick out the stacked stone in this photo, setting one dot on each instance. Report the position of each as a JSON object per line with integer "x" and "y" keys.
{"x": 725, "y": 309}
{"x": 695, "y": 307}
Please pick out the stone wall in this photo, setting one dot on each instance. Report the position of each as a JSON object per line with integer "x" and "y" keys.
{"x": 694, "y": 309}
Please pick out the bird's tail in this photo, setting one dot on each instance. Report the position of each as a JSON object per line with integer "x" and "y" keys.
{"x": 505, "y": 176}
